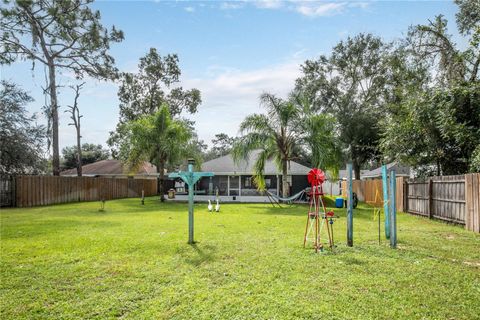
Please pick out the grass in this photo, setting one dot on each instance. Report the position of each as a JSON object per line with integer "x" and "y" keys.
{"x": 131, "y": 261}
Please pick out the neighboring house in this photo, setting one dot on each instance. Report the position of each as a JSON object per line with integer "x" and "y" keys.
{"x": 400, "y": 171}
{"x": 112, "y": 168}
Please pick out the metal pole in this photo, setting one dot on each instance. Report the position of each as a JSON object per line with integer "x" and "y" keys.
{"x": 385, "y": 201}
{"x": 393, "y": 210}
{"x": 350, "y": 206}
{"x": 190, "y": 204}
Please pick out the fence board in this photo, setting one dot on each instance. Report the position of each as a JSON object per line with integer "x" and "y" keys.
{"x": 43, "y": 190}
{"x": 472, "y": 195}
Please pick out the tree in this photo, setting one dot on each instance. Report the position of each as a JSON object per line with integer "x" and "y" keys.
{"x": 143, "y": 93}
{"x": 438, "y": 130}
{"x": 274, "y": 133}
{"x": 157, "y": 138}
{"x": 90, "y": 153}
{"x": 318, "y": 136}
{"x": 21, "y": 139}
{"x": 434, "y": 120}
{"x": 350, "y": 85}
{"x": 222, "y": 144}
{"x": 61, "y": 35}
{"x": 75, "y": 116}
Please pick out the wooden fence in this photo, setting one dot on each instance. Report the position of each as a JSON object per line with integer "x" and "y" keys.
{"x": 43, "y": 190}
{"x": 439, "y": 197}
{"x": 371, "y": 191}
{"x": 450, "y": 198}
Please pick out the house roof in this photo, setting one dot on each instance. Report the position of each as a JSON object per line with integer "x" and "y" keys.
{"x": 111, "y": 167}
{"x": 226, "y": 165}
{"x": 342, "y": 174}
{"x": 400, "y": 170}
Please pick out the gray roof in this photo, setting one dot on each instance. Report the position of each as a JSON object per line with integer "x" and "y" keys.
{"x": 400, "y": 170}
{"x": 342, "y": 174}
{"x": 225, "y": 165}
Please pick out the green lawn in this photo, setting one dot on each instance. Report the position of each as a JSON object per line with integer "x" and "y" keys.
{"x": 132, "y": 261}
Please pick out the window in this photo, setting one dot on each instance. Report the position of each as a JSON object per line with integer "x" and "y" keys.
{"x": 248, "y": 182}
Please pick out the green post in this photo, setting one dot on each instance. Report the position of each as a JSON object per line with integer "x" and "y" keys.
{"x": 190, "y": 203}
{"x": 349, "y": 206}
{"x": 393, "y": 210}
{"x": 385, "y": 201}
{"x": 190, "y": 178}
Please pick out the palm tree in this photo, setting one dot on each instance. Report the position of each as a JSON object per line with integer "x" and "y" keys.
{"x": 274, "y": 133}
{"x": 156, "y": 138}
{"x": 318, "y": 135}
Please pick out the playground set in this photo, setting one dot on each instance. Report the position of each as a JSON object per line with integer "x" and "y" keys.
{"x": 318, "y": 217}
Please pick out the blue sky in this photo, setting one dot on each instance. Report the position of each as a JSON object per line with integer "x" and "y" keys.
{"x": 231, "y": 51}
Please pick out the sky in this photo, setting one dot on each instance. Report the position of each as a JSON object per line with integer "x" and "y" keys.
{"x": 231, "y": 51}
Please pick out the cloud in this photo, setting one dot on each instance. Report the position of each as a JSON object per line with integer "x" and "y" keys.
{"x": 317, "y": 9}
{"x": 305, "y": 7}
{"x": 229, "y": 95}
{"x": 269, "y": 4}
{"x": 189, "y": 9}
{"x": 231, "y": 5}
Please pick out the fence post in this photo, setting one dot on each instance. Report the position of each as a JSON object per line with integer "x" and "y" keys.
{"x": 405, "y": 195}
{"x": 350, "y": 206}
{"x": 430, "y": 198}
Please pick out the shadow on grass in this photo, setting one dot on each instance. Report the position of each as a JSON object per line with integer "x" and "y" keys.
{"x": 201, "y": 254}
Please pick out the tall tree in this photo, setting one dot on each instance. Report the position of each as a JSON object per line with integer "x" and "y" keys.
{"x": 144, "y": 92}
{"x": 222, "y": 144}
{"x": 321, "y": 146}
{"x": 76, "y": 117}
{"x": 433, "y": 124}
{"x": 61, "y": 35}
{"x": 90, "y": 153}
{"x": 157, "y": 138}
{"x": 21, "y": 139}
{"x": 349, "y": 84}
{"x": 274, "y": 134}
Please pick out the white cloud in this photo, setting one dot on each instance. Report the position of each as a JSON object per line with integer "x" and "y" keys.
{"x": 304, "y": 7}
{"x": 231, "y": 5}
{"x": 189, "y": 9}
{"x": 317, "y": 9}
{"x": 269, "y": 4}
{"x": 231, "y": 94}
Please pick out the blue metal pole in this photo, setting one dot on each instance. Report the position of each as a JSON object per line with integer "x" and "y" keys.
{"x": 350, "y": 206}
{"x": 190, "y": 204}
{"x": 393, "y": 210}
{"x": 385, "y": 200}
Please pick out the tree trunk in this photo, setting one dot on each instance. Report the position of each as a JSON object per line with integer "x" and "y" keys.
{"x": 79, "y": 151}
{"x": 285, "y": 186}
{"x": 161, "y": 171}
{"x": 54, "y": 115}
{"x": 356, "y": 169}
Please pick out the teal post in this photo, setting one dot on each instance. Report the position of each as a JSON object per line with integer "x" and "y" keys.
{"x": 393, "y": 210}
{"x": 190, "y": 204}
{"x": 385, "y": 201}
{"x": 190, "y": 178}
{"x": 350, "y": 206}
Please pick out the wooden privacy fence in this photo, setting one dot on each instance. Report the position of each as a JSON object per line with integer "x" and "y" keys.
{"x": 371, "y": 191}
{"x": 439, "y": 197}
{"x": 42, "y": 190}
{"x": 450, "y": 198}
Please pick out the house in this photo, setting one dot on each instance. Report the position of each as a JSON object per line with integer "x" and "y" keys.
{"x": 400, "y": 171}
{"x": 112, "y": 168}
{"x": 235, "y": 181}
